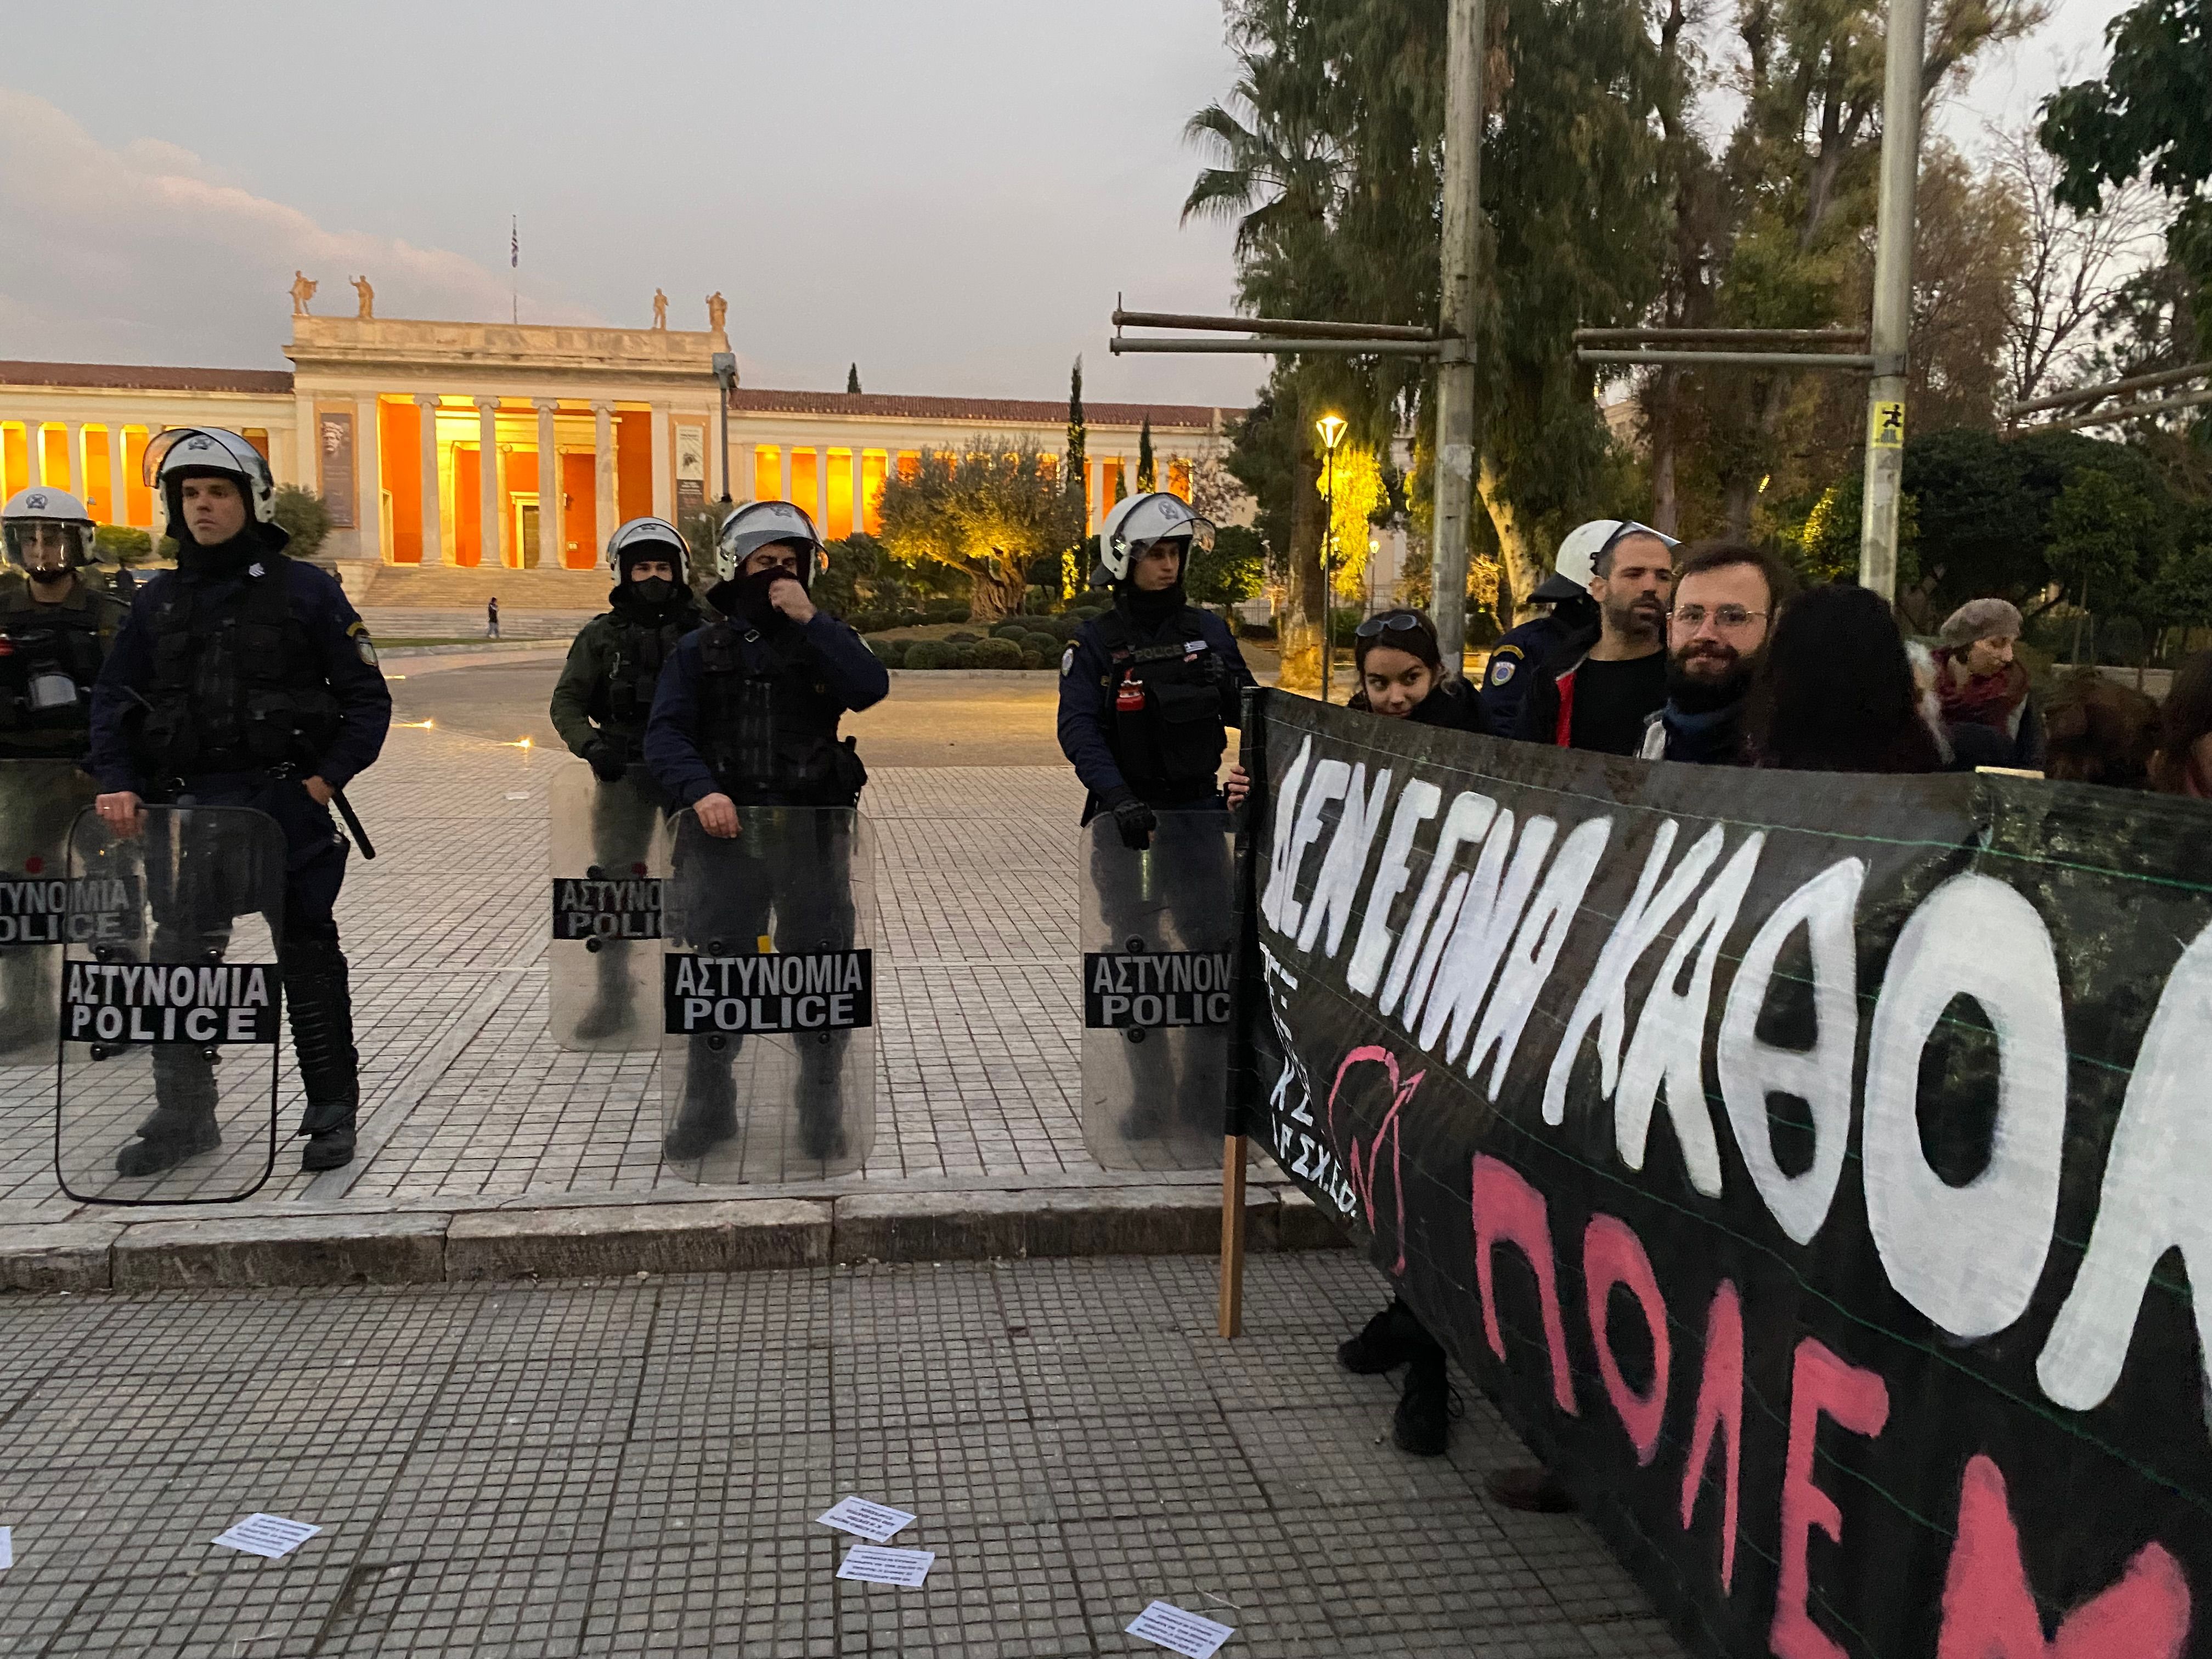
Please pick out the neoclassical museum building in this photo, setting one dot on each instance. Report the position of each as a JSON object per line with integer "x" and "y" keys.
{"x": 522, "y": 445}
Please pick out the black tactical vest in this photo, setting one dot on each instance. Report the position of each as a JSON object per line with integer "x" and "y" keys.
{"x": 237, "y": 685}
{"x": 1169, "y": 700}
{"x": 640, "y": 651}
{"x": 768, "y": 720}
{"x": 50, "y": 655}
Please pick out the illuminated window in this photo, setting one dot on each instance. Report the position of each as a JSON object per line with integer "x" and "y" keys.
{"x": 767, "y": 472}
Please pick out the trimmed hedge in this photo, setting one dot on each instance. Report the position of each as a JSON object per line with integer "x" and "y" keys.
{"x": 1045, "y": 645}
{"x": 928, "y": 653}
{"x": 962, "y": 638}
{"x": 997, "y": 652}
{"x": 891, "y": 652}
{"x": 1010, "y": 630}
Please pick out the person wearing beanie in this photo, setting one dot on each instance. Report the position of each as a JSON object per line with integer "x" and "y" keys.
{"x": 600, "y": 708}
{"x": 244, "y": 678}
{"x": 1990, "y": 714}
{"x": 745, "y": 721}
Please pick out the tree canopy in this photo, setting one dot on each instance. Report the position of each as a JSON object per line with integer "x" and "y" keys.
{"x": 985, "y": 511}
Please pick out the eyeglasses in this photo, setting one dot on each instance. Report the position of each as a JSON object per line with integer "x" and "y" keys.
{"x": 1395, "y": 621}
{"x": 1726, "y": 617}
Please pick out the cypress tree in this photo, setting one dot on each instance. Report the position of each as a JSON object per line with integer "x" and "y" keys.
{"x": 1076, "y": 478}
{"x": 852, "y": 381}
{"x": 1146, "y": 477}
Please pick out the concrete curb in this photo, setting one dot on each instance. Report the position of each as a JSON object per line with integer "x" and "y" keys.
{"x": 601, "y": 1241}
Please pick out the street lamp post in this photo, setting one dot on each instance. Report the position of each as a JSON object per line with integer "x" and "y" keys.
{"x": 726, "y": 376}
{"x": 1331, "y": 428}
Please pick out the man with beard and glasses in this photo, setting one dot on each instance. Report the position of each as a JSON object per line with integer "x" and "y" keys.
{"x": 1726, "y": 595}
{"x": 1598, "y": 689}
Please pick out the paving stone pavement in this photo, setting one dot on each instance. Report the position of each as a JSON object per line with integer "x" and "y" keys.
{"x": 467, "y": 1100}
{"x": 634, "y": 1468}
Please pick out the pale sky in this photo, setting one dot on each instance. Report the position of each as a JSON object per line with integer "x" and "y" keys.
{"x": 949, "y": 194}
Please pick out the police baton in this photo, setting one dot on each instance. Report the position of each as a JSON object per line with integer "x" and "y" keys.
{"x": 360, "y": 836}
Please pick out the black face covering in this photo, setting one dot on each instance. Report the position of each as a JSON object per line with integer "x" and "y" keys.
{"x": 746, "y": 597}
{"x": 1151, "y": 610}
{"x": 654, "y": 590}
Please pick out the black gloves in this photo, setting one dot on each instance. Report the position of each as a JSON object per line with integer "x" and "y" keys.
{"x": 1135, "y": 820}
{"x": 605, "y": 762}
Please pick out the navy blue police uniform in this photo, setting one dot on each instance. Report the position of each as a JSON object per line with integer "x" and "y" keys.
{"x": 748, "y": 707}
{"x": 233, "y": 679}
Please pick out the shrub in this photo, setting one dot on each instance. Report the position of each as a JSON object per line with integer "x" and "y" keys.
{"x": 868, "y": 621}
{"x": 118, "y": 544}
{"x": 958, "y": 613}
{"x": 940, "y": 610}
{"x": 963, "y": 656}
{"x": 1045, "y": 645}
{"x": 302, "y": 514}
{"x": 1085, "y": 612}
{"x": 962, "y": 638}
{"x": 891, "y": 652}
{"x": 928, "y": 653}
{"x": 1010, "y": 630}
{"x": 911, "y": 617}
{"x": 997, "y": 652}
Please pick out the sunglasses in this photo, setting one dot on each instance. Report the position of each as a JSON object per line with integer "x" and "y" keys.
{"x": 1395, "y": 623}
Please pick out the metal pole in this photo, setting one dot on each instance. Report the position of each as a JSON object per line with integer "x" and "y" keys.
{"x": 1328, "y": 580}
{"x": 1892, "y": 296}
{"x": 1453, "y": 483}
{"x": 725, "y": 375}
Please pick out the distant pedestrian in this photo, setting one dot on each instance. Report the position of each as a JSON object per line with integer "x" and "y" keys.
{"x": 1599, "y": 686}
{"x": 491, "y": 618}
{"x": 2182, "y": 764}
{"x": 1835, "y": 693}
{"x": 1726, "y": 595}
{"x": 1988, "y": 708}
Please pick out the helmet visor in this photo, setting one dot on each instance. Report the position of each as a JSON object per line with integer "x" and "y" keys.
{"x": 47, "y": 543}
{"x": 217, "y": 451}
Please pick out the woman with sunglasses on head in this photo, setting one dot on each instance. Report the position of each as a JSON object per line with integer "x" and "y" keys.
{"x": 1399, "y": 667}
{"x": 1401, "y": 674}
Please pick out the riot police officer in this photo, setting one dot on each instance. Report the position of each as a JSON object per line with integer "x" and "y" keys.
{"x": 1148, "y": 689}
{"x": 605, "y": 698}
{"x": 244, "y": 678}
{"x": 747, "y": 716}
{"x": 1147, "y": 693}
{"x": 58, "y": 629}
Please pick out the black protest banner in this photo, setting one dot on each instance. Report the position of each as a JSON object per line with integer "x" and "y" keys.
{"x": 1814, "y": 1168}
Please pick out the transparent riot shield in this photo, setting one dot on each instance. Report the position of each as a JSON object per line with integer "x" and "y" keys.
{"x": 1157, "y": 953}
{"x": 170, "y": 1008}
{"x": 39, "y": 801}
{"x": 768, "y": 1060}
{"x": 609, "y": 844}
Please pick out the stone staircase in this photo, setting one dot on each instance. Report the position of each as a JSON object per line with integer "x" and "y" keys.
{"x": 446, "y": 587}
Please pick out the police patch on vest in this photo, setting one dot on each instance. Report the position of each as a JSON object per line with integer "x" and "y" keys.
{"x": 590, "y": 908}
{"x": 170, "y": 1002}
{"x": 769, "y": 994}
{"x": 1067, "y": 660}
{"x": 1502, "y": 670}
{"x": 85, "y": 910}
{"x": 1152, "y": 989}
{"x": 362, "y": 644}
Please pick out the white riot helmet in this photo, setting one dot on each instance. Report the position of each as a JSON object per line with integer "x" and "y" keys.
{"x": 194, "y": 452}
{"x": 38, "y": 522}
{"x": 647, "y": 538}
{"x": 762, "y": 524}
{"x": 1136, "y": 523}
{"x": 1580, "y": 549}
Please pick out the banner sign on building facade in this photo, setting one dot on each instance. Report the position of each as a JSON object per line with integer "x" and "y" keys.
{"x": 1813, "y": 1167}
{"x": 334, "y": 471}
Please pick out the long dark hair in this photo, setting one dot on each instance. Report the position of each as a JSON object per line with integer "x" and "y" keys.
{"x": 2186, "y": 717}
{"x": 1835, "y": 692}
{"x": 1418, "y": 641}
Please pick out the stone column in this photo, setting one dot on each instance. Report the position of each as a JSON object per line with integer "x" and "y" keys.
{"x": 821, "y": 489}
{"x": 737, "y": 475}
{"x": 664, "y": 460}
{"x": 551, "y": 546}
{"x": 75, "y": 430}
{"x": 487, "y": 536}
{"x": 783, "y": 452}
{"x": 602, "y": 456}
{"x": 433, "y": 531}
{"x": 368, "y": 479}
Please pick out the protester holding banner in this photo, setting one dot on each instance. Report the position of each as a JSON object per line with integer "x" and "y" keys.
{"x": 1726, "y": 595}
{"x": 1835, "y": 693}
{"x": 1991, "y": 712}
{"x": 1598, "y": 689}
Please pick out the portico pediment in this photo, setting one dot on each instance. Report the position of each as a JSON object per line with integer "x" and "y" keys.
{"x": 408, "y": 347}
